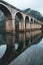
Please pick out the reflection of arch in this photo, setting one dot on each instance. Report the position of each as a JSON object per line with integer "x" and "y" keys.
{"x": 19, "y": 46}
{"x": 2, "y": 50}
{"x": 27, "y": 42}
{"x": 26, "y": 22}
{"x": 27, "y": 37}
{"x": 31, "y": 39}
{"x": 18, "y": 25}
{"x": 8, "y": 17}
{"x": 7, "y": 55}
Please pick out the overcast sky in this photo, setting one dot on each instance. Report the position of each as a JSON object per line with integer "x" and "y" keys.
{"x": 23, "y": 4}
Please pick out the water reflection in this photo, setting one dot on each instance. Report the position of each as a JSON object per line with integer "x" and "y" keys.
{"x": 32, "y": 56}
{"x": 15, "y": 44}
{"x": 2, "y": 50}
{"x": 35, "y": 54}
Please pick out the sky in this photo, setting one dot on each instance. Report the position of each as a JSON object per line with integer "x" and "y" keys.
{"x": 24, "y": 4}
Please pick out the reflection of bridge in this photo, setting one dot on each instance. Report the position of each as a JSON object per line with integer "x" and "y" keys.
{"x": 21, "y": 29}
{"x": 12, "y": 54}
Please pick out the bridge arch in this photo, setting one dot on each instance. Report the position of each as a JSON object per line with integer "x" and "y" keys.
{"x": 31, "y": 20}
{"x": 32, "y": 24}
{"x": 18, "y": 21}
{"x": 7, "y": 16}
{"x": 27, "y": 22}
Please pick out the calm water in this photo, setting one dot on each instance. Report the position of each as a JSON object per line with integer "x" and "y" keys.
{"x": 32, "y": 56}
{"x": 12, "y": 46}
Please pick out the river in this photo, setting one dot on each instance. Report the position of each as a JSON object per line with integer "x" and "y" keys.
{"x": 33, "y": 55}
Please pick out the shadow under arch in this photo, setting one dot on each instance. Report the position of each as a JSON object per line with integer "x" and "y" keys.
{"x": 26, "y": 22}
{"x": 18, "y": 21}
{"x": 32, "y": 24}
{"x": 19, "y": 31}
{"x": 31, "y": 20}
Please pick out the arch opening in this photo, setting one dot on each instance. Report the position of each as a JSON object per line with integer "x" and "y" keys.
{"x": 19, "y": 29}
{"x": 27, "y": 23}
{"x": 2, "y": 27}
{"x": 8, "y": 17}
{"x": 32, "y": 24}
{"x": 18, "y": 21}
{"x": 31, "y": 21}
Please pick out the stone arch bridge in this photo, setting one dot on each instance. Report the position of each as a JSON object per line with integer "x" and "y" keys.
{"x": 20, "y": 29}
{"x": 15, "y": 18}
